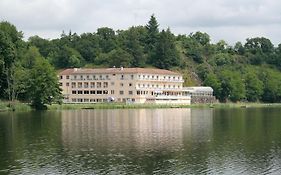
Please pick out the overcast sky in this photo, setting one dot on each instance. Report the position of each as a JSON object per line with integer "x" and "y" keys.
{"x": 230, "y": 20}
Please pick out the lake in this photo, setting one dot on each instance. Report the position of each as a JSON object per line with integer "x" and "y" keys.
{"x": 141, "y": 141}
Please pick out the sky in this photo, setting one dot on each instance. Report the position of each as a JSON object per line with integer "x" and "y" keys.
{"x": 229, "y": 20}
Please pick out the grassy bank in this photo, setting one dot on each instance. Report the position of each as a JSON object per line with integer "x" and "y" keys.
{"x": 18, "y": 106}
{"x": 138, "y": 106}
{"x": 14, "y": 106}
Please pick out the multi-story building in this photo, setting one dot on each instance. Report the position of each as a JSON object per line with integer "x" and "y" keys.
{"x": 131, "y": 85}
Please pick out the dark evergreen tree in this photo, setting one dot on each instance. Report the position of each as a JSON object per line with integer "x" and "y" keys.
{"x": 166, "y": 55}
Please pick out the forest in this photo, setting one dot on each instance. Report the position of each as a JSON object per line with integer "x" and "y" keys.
{"x": 248, "y": 71}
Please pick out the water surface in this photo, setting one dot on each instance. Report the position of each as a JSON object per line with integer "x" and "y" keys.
{"x": 142, "y": 141}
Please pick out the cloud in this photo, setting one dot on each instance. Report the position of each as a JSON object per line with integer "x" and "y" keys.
{"x": 231, "y": 20}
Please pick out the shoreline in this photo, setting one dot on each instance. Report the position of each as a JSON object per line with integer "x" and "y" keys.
{"x": 20, "y": 107}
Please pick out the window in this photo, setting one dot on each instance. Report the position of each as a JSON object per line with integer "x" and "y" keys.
{"x": 122, "y": 77}
{"x": 98, "y": 84}
{"x": 105, "y": 92}
{"x": 60, "y": 84}
{"x": 67, "y": 84}
{"x": 121, "y": 84}
{"x": 73, "y": 85}
{"x": 86, "y": 100}
{"x": 88, "y": 77}
{"x": 130, "y": 92}
{"x": 138, "y": 92}
{"x": 112, "y": 83}
{"x": 86, "y": 85}
{"x": 132, "y": 77}
{"x": 79, "y": 85}
{"x": 75, "y": 76}
{"x": 100, "y": 77}
{"x": 73, "y": 100}
{"x": 73, "y": 92}
{"x": 67, "y": 77}
{"x": 112, "y": 91}
{"x": 130, "y": 84}
{"x": 121, "y": 92}
{"x": 99, "y": 92}
{"x": 105, "y": 84}
{"x": 81, "y": 77}
{"x": 80, "y": 92}
{"x": 92, "y": 92}
{"x": 61, "y": 77}
{"x": 86, "y": 92}
{"x": 107, "y": 77}
{"x": 92, "y": 85}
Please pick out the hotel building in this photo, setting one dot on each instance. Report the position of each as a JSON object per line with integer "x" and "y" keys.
{"x": 130, "y": 85}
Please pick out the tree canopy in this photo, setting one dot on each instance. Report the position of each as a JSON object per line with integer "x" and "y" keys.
{"x": 247, "y": 71}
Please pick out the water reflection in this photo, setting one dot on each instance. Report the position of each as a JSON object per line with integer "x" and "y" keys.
{"x": 125, "y": 129}
{"x": 142, "y": 141}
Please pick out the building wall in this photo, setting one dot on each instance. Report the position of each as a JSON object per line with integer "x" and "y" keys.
{"x": 122, "y": 87}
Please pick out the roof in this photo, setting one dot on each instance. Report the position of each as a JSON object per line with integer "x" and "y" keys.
{"x": 117, "y": 71}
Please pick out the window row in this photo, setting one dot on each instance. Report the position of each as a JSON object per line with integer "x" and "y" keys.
{"x": 158, "y": 86}
{"x": 158, "y": 77}
{"x": 99, "y": 92}
{"x": 96, "y": 100}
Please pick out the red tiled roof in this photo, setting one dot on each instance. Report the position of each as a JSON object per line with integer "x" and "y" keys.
{"x": 117, "y": 71}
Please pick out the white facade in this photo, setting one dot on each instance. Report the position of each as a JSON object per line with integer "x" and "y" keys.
{"x": 130, "y": 85}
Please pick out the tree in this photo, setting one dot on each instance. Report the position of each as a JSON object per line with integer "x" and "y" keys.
{"x": 131, "y": 42}
{"x": 152, "y": 37}
{"x": 213, "y": 81}
{"x": 106, "y": 38}
{"x": 43, "y": 45}
{"x": 42, "y": 86}
{"x": 202, "y": 38}
{"x": 232, "y": 86}
{"x": 66, "y": 57}
{"x": 117, "y": 57}
{"x": 254, "y": 87}
{"x": 166, "y": 54}
{"x": 10, "y": 42}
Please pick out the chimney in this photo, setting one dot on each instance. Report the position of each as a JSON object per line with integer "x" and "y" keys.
{"x": 121, "y": 68}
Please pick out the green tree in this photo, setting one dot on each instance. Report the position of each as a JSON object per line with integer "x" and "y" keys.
{"x": 42, "y": 85}
{"x": 254, "y": 87}
{"x": 202, "y": 38}
{"x": 10, "y": 44}
{"x": 66, "y": 57}
{"x": 152, "y": 37}
{"x": 106, "y": 38}
{"x": 213, "y": 81}
{"x": 43, "y": 45}
{"x": 166, "y": 54}
{"x": 232, "y": 86}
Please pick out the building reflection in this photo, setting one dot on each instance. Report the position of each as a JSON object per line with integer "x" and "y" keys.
{"x": 140, "y": 129}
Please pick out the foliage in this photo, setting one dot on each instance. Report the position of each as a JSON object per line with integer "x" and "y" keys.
{"x": 43, "y": 89}
{"x": 243, "y": 72}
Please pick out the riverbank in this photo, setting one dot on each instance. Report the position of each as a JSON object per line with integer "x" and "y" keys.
{"x": 14, "y": 106}
{"x": 138, "y": 106}
{"x": 18, "y": 106}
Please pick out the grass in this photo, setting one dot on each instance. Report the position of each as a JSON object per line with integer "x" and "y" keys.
{"x": 14, "y": 106}
{"x": 18, "y": 106}
{"x": 151, "y": 106}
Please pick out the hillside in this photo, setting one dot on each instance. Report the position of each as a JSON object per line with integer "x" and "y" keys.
{"x": 243, "y": 72}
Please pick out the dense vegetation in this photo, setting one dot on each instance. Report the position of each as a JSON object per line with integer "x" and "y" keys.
{"x": 243, "y": 72}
